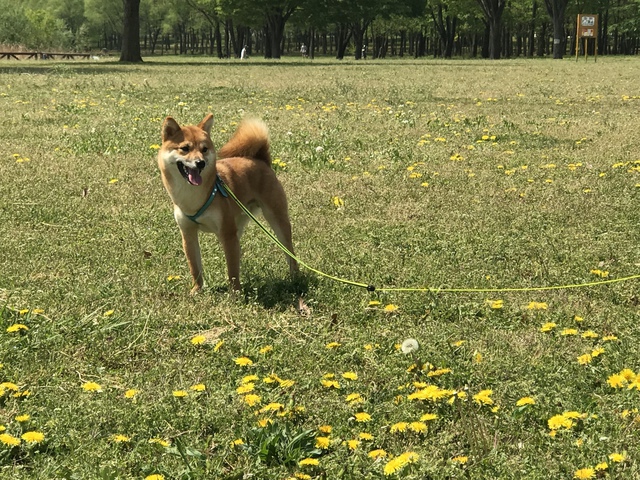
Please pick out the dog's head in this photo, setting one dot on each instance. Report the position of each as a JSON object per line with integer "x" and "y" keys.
{"x": 187, "y": 149}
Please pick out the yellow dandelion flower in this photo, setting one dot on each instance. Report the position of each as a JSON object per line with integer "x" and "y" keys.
{"x": 271, "y": 407}
{"x": 390, "y": 308}
{"x": 495, "y": 304}
{"x": 559, "y": 421}
{"x": 617, "y": 457}
{"x": 330, "y": 384}
{"x": 309, "y": 461}
{"x": 131, "y": 393}
{"x": 33, "y": 437}
{"x": 249, "y": 379}
{"x": 590, "y": 334}
{"x": 601, "y": 467}
{"x": 218, "y": 345}
{"x": 628, "y": 374}
{"x": 398, "y": 463}
{"x": 537, "y": 306}
{"x": 353, "y": 444}
{"x": 198, "y": 340}
{"x": 398, "y": 427}
{"x": 609, "y": 338}
{"x": 180, "y": 393}
{"x": 9, "y": 386}
{"x": 243, "y": 361}
{"x": 9, "y": 440}
{"x": 236, "y": 442}
{"x": 91, "y": 387}
{"x": 160, "y": 441}
{"x": 286, "y": 383}
{"x": 350, "y": 375}
{"x": 354, "y": 398}
{"x": 365, "y": 436}
{"x": 617, "y": 381}
{"x": 461, "y": 460}
{"x": 23, "y": 418}
{"x": 483, "y": 397}
{"x": 585, "y": 359}
{"x": 378, "y": 453}
{"x": 266, "y": 349}
{"x": 246, "y": 388}
{"x": 427, "y": 417}
{"x": 418, "y": 427}
{"x": 332, "y": 345}
{"x": 155, "y": 476}
{"x": 525, "y": 401}
{"x": 17, "y": 327}
{"x": 263, "y": 422}
{"x": 252, "y": 399}
{"x": 438, "y": 372}
{"x": 477, "y": 357}
{"x": 584, "y": 473}
{"x": 323, "y": 442}
{"x": 199, "y": 387}
{"x": 547, "y": 327}
{"x": 337, "y": 202}
{"x": 325, "y": 428}
{"x": 597, "y": 351}
{"x": 599, "y": 273}
{"x": 569, "y": 331}
{"x": 119, "y": 438}
{"x": 362, "y": 417}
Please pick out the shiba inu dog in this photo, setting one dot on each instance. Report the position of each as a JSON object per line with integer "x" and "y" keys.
{"x": 196, "y": 180}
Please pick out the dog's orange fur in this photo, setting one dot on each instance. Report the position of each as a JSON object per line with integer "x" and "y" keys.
{"x": 244, "y": 165}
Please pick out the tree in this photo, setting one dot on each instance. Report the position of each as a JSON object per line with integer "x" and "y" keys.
{"x": 493, "y": 10}
{"x": 556, "y": 9}
{"x": 130, "y": 51}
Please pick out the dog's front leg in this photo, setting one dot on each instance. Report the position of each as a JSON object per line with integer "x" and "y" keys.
{"x": 231, "y": 245}
{"x": 191, "y": 248}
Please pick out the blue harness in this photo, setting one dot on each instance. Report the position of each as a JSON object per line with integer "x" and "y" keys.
{"x": 217, "y": 186}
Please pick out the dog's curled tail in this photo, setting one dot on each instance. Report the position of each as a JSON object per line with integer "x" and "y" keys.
{"x": 251, "y": 140}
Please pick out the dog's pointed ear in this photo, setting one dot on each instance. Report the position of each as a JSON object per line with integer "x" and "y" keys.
{"x": 206, "y": 124}
{"x": 169, "y": 128}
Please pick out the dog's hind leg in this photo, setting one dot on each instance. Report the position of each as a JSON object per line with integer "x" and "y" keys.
{"x": 230, "y": 241}
{"x": 278, "y": 219}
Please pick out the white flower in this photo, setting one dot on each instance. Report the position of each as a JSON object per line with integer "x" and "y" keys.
{"x": 319, "y": 149}
{"x": 409, "y": 345}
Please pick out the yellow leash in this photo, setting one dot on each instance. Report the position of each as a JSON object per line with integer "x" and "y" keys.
{"x": 372, "y": 288}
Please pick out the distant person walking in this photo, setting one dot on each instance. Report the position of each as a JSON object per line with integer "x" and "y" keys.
{"x": 243, "y": 53}
{"x": 364, "y": 51}
{"x": 303, "y": 50}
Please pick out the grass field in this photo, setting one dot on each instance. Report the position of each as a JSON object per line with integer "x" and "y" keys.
{"x": 457, "y": 174}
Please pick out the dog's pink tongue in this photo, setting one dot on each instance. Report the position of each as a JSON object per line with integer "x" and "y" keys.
{"x": 194, "y": 176}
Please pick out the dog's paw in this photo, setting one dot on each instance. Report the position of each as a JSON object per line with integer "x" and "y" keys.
{"x": 196, "y": 290}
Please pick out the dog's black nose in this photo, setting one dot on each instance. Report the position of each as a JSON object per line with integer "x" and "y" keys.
{"x": 200, "y": 164}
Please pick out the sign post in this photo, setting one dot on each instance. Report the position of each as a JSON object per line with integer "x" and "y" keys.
{"x": 586, "y": 28}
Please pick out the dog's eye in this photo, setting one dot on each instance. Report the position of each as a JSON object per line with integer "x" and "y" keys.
{"x": 184, "y": 148}
{"x": 205, "y": 149}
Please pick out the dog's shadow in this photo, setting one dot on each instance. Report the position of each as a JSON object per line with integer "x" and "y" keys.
{"x": 282, "y": 293}
{"x": 273, "y": 293}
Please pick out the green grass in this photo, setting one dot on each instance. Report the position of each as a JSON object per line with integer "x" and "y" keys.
{"x": 90, "y": 253}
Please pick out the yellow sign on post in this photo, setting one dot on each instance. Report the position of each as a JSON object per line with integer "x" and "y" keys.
{"x": 587, "y": 28}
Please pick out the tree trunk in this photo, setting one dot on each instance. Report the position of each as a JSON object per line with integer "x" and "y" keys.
{"x": 343, "y": 33}
{"x": 556, "y": 9}
{"x": 131, "y": 32}
{"x": 275, "y": 21}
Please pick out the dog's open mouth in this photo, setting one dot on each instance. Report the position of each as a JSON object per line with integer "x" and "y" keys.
{"x": 191, "y": 175}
